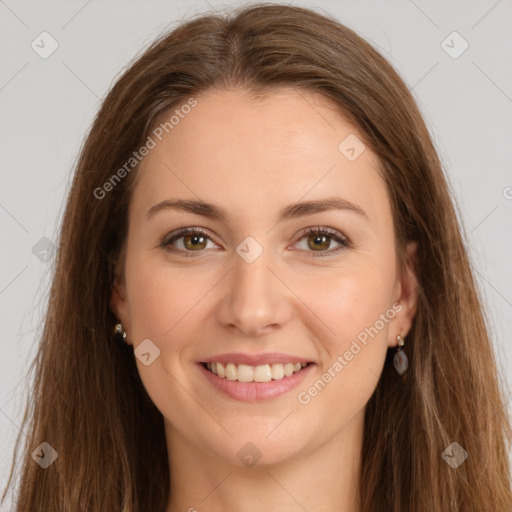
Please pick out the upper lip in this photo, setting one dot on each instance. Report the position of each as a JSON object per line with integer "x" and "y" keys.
{"x": 256, "y": 359}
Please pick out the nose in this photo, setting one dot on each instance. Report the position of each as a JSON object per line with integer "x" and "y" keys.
{"x": 254, "y": 300}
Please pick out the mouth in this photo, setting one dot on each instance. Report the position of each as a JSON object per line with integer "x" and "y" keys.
{"x": 260, "y": 373}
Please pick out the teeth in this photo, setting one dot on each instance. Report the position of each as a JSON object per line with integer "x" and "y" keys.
{"x": 261, "y": 373}
{"x": 231, "y": 372}
{"x": 277, "y": 371}
{"x": 245, "y": 373}
{"x": 289, "y": 369}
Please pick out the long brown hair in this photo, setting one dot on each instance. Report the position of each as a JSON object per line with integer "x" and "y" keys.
{"x": 88, "y": 401}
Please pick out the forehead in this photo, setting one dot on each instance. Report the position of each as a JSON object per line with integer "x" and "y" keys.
{"x": 243, "y": 152}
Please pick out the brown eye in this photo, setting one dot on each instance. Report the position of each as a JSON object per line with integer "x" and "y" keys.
{"x": 193, "y": 240}
{"x": 319, "y": 240}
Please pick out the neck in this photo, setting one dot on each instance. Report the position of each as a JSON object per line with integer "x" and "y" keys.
{"x": 325, "y": 479}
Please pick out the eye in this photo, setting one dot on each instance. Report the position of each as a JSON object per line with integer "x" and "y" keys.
{"x": 321, "y": 238}
{"x": 194, "y": 240}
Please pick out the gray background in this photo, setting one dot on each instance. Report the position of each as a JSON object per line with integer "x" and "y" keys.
{"x": 48, "y": 104}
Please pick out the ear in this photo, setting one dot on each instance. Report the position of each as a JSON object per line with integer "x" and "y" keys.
{"x": 406, "y": 295}
{"x": 119, "y": 304}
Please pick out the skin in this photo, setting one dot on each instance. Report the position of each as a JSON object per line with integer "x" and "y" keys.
{"x": 253, "y": 158}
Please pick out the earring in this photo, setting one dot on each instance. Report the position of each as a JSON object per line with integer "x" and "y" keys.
{"x": 120, "y": 332}
{"x": 400, "y": 360}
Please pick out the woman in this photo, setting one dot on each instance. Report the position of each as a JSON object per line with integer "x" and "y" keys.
{"x": 262, "y": 298}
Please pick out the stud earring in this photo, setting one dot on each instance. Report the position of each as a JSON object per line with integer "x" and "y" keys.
{"x": 120, "y": 332}
{"x": 400, "y": 360}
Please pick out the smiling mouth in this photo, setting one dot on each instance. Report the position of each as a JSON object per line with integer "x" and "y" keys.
{"x": 260, "y": 373}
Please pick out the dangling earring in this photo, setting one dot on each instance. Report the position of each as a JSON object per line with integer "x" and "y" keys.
{"x": 400, "y": 360}
{"x": 121, "y": 334}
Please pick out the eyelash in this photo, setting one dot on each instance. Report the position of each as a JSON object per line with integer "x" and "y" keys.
{"x": 166, "y": 242}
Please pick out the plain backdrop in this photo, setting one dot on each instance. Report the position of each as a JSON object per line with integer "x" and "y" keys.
{"x": 47, "y": 105}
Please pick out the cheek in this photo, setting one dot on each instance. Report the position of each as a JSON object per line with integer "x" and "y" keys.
{"x": 352, "y": 337}
{"x": 347, "y": 302}
{"x": 163, "y": 301}
{"x": 350, "y": 316}
{"x": 160, "y": 296}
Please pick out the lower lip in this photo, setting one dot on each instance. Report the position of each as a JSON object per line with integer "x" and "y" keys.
{"x": 256, "y": 391}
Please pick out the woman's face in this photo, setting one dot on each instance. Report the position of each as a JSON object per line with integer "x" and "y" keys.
{"x": 253, "y": 287}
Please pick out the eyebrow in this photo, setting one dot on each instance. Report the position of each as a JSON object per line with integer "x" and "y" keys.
{"x": 292, "y": 211}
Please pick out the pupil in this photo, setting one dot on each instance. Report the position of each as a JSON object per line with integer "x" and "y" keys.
{"x": 320, "y": 240}
{"x": 195, "y": 240}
